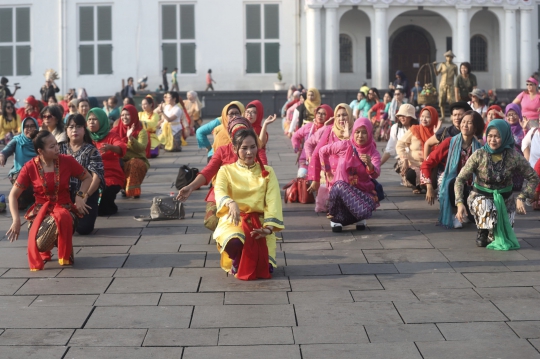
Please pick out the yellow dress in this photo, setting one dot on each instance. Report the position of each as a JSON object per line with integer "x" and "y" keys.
{"x": 254, "y": 194}
{"x": 9, "y": 126}
{"x": 150, "y": 124}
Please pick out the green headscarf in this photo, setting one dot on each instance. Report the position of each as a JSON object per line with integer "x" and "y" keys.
{"x": 506, "y": 136}
{"x": 104, "y": 124}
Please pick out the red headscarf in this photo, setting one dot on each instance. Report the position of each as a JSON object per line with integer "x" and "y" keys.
{"x": 121, "y": 129}
{"x": 257, "y": 125}
{"x": 423, "y": 133}
{"x": 495, "y": 107}
{"x": 329, "y": 115}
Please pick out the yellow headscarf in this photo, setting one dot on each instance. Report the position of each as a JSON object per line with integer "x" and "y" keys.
{"x": 311, "y": 106}
{"x": 221, "y": 135}
{"x": 338, "y": 130}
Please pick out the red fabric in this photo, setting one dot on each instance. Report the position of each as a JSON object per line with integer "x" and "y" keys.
{"x": 29, "y": 174}
{"x": 537, "y": 169}
{"x": 329, "y": 114}
{"x": 121, "y": 129}
{"x": 35, "y": 114}
{"x": 254, "y": 261}
{"x": 378, "y": 108}
{"x": 423, "y": 133}
{"x": 438, "y": 156}
{"x": 287, "y": 106}
{"x": 492, "y": 107}
{"x": 114, "y": 175}
{"x": 181, "y": 104}
{"x": 257, "y": 125}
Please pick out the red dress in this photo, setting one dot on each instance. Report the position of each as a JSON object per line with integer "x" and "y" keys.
{"x": 51, "y": 190}
{"x": 114, "y": 175}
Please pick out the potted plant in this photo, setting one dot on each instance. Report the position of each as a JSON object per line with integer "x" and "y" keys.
{"x": 279, "y": 86}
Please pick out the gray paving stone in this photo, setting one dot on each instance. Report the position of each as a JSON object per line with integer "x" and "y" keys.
{"x": 508, "y": 293}
{"x": 17, "y": 301}
{"x": 181, "y": 337}
{"x": 252, "y": 352}
{"x": 519, "y": 309}
{"x": 476, "y": 349}
{"x": 145, "y": 317}
{"x": 310, "y": 269}
{"x": 509, "y": 279}
{"x": 159, "y": 260}
{"x": 153, "y": 285}
{"x": 192, "y": 299}
{"x": 33, "y": 317}
{"x": 62, "y": 300}
{"x": 329, "y": 297}
{"x": 403, "y": 333}
{"x": 33, "y": 352}
{"x": 524, "y": 266}
{"x": 251, "y": 316}
{"x": 449, "y": 311}
{"x": 218, "y": 283}
{"x": 8, "y": 286}
{"x": 479, "y": 267}
{"x": 198, "y": 248}
{"x": 526, "y": 329}
{"x": 318, "y": 257}
{"x": 86, "y": 273}
{"x": 65, "y": 286}
{"x": 423, "y": 280}
{"x": 35, "y": 337}
{"x": 123, "y": 352}
{"x": 420, "y": 243}
{"x": 102, "y": 249}
{"x": 256, "y": 298}
{"x": 107, "y": 338}
{"x": 153, "y": 249}
{"x": 361, "y": 351}
{"x": 25, "y": 273}
{"x": 368, "y": 268}
{"x": 143, "y": 272}
{"x": 306, "y": 246}
{"x": 96, "y": 240}
{"x": 476, "y": 331}
{"x": 357, "y": 242}
{"x": 384, "y": 295}
{"x": 359, "y": 313}
{"x": 339, "y": 334}
{"x": 473, "y": 253}
{"x": 430, "y": 267}
{"x": 113, "y": 300}
{"x": 403, "y": 255}
{"x": 438, "y": 294}
{"x": 256, "y": 336}
{"x": 348, "y": 282}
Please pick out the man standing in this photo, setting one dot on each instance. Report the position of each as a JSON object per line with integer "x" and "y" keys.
{"x": 48, "y": 90}
{"x": 165, "y": 83}
{"x": 449, "y": 71}
{"x": 174, "y": 80}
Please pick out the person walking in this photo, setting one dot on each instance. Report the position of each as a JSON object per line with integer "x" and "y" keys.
{"x": 165, "y": 82}
{"x": 209, "y": 81}
{"x": 174, "y": 80}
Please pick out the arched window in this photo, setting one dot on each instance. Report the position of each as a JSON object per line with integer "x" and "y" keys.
{"x": 345, "y": 53}
{"x": 478, "y": 53}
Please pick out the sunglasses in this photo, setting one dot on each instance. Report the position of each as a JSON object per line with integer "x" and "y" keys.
{"x": 46, "y": 117}
{"x": 530, "y": 84}
{"x": 9, "y": 108}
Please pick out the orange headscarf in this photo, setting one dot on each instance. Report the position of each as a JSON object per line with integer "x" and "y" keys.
{"x": 221, "y": 135}
{"x": 423, "y": 133}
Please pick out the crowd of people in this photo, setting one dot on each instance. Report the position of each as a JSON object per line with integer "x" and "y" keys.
{"x": 71, "y": 159}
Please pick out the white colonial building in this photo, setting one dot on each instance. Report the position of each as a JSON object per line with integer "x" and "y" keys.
{"x": 330, "y": 44}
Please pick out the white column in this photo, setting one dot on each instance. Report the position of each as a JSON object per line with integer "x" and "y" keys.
{"x": 379, "y": 48}
{"x": 511, "y": 54}
{"x": 526, "y": 45}
{"x": 463, "y": 44}
{"x": 313, "y": 37}
{"x": 332, "y": 49}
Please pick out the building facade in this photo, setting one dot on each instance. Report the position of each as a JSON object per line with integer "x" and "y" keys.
{"x": 329, "y": 44}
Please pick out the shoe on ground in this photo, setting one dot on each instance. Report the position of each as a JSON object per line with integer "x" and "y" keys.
{"x": 482, "y": 238}
{"x": 336, "y": 227}
{"x": 457, "y": 223}
{"x": 360, "y": 226}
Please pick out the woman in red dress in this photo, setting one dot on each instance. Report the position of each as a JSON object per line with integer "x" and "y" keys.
{"x": 53, "y": 218}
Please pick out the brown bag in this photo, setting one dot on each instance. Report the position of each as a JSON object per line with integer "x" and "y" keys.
{"x": 291, "y": 191}
{"x": 303, "y": 195}
{"x": 210, "y": 218}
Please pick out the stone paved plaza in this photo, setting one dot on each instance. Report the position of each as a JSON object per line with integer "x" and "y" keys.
{"x": 403, "y": 288}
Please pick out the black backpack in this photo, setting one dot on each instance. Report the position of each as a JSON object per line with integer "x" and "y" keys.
{"x": 186, "y": 175}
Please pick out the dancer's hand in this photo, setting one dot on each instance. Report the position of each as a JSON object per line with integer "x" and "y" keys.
{"x": 520, "y": 207}
{"x": 461, "y": 212}
{"x": 329, "y": 176}
{"x": 234, "y": 213}
{"x": 260, "y": 233}
{"x": 314, "y": 187}
{"x": 430, "y": 194}
{"x": 270, "y": 119}
{"x": 184, "y": 193}
{"x": 13, "y": 232}
{"x": 130, "y": 130}
{"x": 82, "y": 207}
{"x": 524, "y": 122}
{"x": 2, "y": 160}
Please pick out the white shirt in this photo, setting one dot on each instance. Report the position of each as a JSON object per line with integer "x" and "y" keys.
{"x": 171, "y": 111}
{"x": 533, "y": 143}
{"x": 395, "y": 135}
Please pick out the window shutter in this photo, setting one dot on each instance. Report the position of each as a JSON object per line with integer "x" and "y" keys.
{"x": 253, "y": 21}
{"x": 187, "y": 58}
{"x": 86, "y": 59}
{"x": 271, "y": 21}
{"x": 6, "y": 60}
{"x": 22, "y": 23}
{"x": 86, "y": 23}
{"x": 187, "y": 22}
{"x": 271, "y": 57}
{"x": 6, "y": 25}
{"x": 170, "y": 56}
{"x": 23, "y": 60}
{"x": 253, "y": 58}
{"x": 104, "y": 17}
{"x": 168, "y": 22}
{"x": 105, "y": 59}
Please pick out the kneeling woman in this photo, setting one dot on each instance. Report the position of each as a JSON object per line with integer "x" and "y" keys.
{"x": 491, "y": 201}
{"x": 53, "y": 218}
{"x": 352, "y": 192}
{"x": 249, "y": 210}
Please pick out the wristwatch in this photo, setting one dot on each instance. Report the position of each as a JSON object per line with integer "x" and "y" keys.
{"x": 81, "y": 194}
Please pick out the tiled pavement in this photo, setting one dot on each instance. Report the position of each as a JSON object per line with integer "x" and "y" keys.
{"x": 403, "y": 288}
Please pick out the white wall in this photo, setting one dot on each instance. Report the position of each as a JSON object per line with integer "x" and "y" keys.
{"x": 485, "y": 23}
